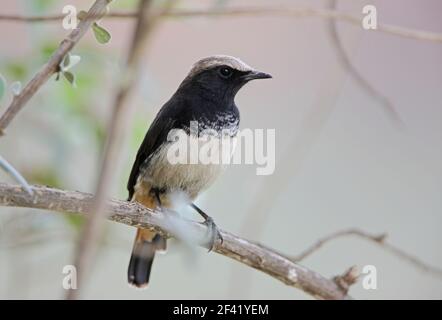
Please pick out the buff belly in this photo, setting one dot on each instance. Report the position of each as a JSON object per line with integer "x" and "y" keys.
{"x": 167, "y": 176}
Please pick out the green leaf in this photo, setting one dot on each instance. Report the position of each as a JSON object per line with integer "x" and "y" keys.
{"x": 69, "y": 77}
{"x": 101, "y": 34}
{"x": 2, "y": 86}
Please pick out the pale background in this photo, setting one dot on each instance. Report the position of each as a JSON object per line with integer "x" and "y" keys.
{"x": 357, "y": 170}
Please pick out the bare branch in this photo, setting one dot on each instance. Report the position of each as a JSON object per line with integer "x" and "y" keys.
{"x": 344, "y": 59}
{"x": 19, "y": 101}
{"x": 377, "y": 239}
{"x": 133, "y": 214}
{"x": 294, "y": 12}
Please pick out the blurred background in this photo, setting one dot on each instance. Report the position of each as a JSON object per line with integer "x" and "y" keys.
{"x": 342, "y": 160}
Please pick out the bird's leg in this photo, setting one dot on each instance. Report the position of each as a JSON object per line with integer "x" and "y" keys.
{"x": 211, "y": 226}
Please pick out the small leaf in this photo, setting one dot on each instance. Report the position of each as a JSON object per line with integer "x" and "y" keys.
{"x": 101, "y": 34}
{"x": 2, "y": 86}
{"x": 69, "y": 77}
{"x": 16, "y": 88}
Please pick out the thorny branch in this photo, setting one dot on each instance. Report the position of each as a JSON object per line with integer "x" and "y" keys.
{"x": 130, "y": 213}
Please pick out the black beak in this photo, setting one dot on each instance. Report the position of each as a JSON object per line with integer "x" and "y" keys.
{"x": 253, "y": 75}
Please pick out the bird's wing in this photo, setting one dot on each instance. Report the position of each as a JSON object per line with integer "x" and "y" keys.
{"x": 155, "y": 137}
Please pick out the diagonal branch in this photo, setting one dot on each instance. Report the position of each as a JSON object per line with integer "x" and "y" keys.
{"x": 132, "y": 214}
{"x": 377, "y": 239}
{"x": 19, "y": 101}
{"x": 289, "y": 11}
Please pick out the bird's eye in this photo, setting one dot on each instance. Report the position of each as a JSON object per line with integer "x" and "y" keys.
{"x": 225, "y": 72}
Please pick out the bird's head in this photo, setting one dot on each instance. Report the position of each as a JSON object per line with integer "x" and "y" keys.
{"x": 222, "y": 75}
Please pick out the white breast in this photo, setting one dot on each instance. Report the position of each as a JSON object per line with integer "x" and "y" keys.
{"x": 189, "y": 176}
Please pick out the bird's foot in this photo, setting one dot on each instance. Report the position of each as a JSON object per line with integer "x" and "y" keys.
{"x": 213, "y": 232}
{"x": 212, "y": 229}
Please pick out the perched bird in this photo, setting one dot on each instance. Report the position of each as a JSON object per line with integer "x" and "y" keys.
{"x": 207, "y": 96}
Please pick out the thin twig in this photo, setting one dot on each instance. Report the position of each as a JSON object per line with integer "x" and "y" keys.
{"x": 344, "y": 59}
{"x": 377, "y": 239}
{"x": 9, "y": 168}
{"x": 133, "y": 214}
{"x": 19, "y": 101}
{"x": 290, "y": 11}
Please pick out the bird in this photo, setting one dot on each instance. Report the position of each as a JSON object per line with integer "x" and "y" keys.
{"x": 206, "y": 96}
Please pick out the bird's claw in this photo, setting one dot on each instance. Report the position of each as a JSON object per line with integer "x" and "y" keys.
{"x": 213, "y": 233}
